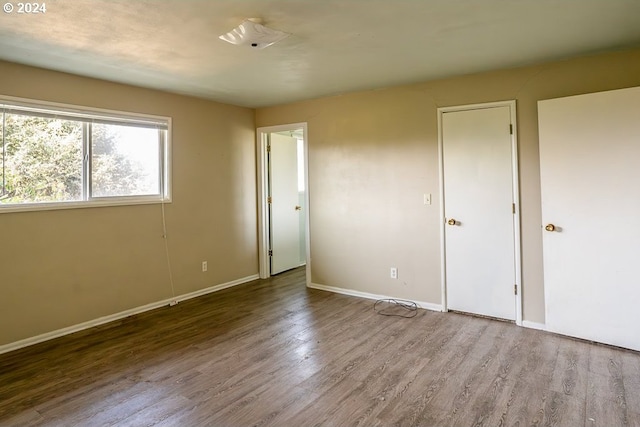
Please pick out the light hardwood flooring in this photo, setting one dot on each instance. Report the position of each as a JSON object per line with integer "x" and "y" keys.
{"x": 274, "y": 353}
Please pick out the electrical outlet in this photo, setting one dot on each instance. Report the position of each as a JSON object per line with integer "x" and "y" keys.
{"x": 204, "y": 266}
{"x": 393, "y": 273}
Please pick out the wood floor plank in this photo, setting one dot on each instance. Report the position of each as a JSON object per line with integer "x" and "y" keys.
{"x": 519, "y": 405}
{"x": 633, "y": 418}
{"x": 524, "y": 404}
{"x": 415, "y": 407}
{"x": 606, "y": 400}
{"x": 275, "y": 353}
{"x": 571, "y": 368}
{"x": 481, "y": 386}
{"x": 631, "y": 379}
{"x": 28, "y": 417}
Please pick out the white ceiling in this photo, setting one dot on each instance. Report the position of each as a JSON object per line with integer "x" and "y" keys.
{"x": 336, "y": 46}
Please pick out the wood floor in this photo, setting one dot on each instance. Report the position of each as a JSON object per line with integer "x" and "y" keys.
{"x": 274, "y": 353}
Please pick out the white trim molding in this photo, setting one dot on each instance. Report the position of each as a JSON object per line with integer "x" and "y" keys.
{"x": 534, "y": 325}
{"x": 121, "y": 315}
{"x": 353, "y": 293}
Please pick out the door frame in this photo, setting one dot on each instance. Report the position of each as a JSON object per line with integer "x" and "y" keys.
{"x": 263, "y": 192}
{"x": 515, "y": 186}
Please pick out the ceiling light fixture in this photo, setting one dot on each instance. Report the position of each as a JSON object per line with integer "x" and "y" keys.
{"x": 253, "y": 34}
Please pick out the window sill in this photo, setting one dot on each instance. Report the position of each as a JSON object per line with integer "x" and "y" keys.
{"x": 96, "y": 203}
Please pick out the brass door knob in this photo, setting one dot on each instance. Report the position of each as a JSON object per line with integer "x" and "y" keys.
{"x": 451, "y": 222}
{"x": 298, "y": 208}
{"x": 550, "y": 227}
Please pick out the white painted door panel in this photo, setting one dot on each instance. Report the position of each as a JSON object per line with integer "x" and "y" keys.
{"x": 478, "y": 195}
{"x": 284, "y": 218}
{"x": 589, "y": 154}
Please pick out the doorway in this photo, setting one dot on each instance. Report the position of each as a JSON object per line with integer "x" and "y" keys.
{"x": 480, "y": 229}
{"x": 283, "y": 198}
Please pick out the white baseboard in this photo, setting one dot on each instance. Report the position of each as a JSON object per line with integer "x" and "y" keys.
{"x": 121, "y": 315}
{"x": 215, "y": 288}
{"x": 534, "y": 325}
{"x": 425, "y": 305}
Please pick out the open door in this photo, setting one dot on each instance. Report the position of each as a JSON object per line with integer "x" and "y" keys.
{"x": 283, "y": 199}
{"x": 285, "y": 206}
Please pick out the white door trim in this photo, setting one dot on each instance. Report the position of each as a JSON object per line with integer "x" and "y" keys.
{"x": 516, "y": 197}
{"x": 263, "y": 191}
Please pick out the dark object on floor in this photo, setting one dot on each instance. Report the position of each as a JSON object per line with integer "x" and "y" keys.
{"x": 396, "y": 307}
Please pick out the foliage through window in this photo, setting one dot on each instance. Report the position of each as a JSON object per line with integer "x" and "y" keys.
{"x": 62, "y": 155}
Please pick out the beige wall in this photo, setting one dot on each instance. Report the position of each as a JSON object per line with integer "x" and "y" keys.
{"x": 373, "y": 154}
{"x": 61, "y": 268}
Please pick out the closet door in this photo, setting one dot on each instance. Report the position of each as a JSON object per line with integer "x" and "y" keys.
{"x": 479, "y": 210}
{"x": 590, "y": 177}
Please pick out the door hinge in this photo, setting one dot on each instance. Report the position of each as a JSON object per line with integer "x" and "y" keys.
{"x": 270, "y": 252}
{"x": 511, "y": 129}
{"x": 513, "y": 208}
{"x": 269, "y": 199}
{"x": 515, "y": 289}
{"x": 269, "y": 148}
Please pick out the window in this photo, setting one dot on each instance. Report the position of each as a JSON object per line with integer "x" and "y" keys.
{"x": 55, "y": 156}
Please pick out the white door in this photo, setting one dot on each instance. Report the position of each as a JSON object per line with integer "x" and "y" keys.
{"x": 589, "y": 170}
{"x": 285, "y": 208}
{"x": 479, "y": 206}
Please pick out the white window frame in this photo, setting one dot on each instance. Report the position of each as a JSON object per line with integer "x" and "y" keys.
{"x": 88, "y": 115}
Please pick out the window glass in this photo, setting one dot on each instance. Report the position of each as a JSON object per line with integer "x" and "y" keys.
{"x": 125, "y": 161}
{"x": 41, "y": 160}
